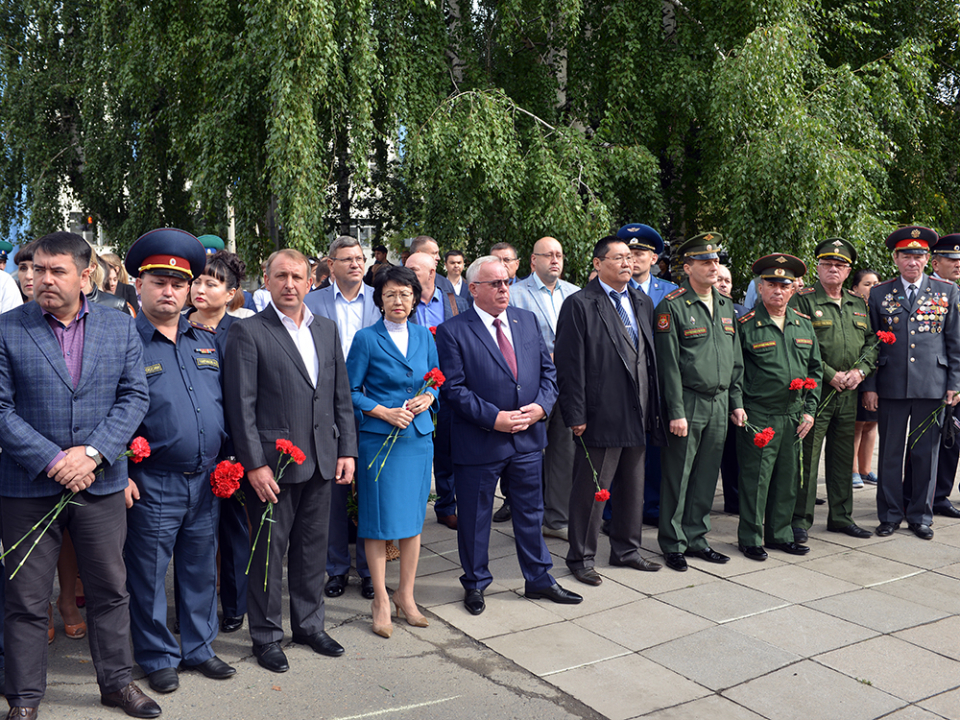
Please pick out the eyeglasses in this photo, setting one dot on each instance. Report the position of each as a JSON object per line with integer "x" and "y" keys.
{"x": 404, "y": 296}
{"x": 496, "y": 284}
{"x": 618, "y": 259}
{"x": 350, "y": 260}
{"x": 832, "y": 265}
{"x": 552, "y": 256}
{"x": 508, "y": 260}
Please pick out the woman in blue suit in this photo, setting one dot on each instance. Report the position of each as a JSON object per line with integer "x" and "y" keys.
{"x": 386, "y": 365}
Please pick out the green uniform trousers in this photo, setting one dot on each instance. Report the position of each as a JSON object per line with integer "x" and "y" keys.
{"x": 689, "y": 469}
{"x": 768, "y": 480}
{"x": 836, "y": 423}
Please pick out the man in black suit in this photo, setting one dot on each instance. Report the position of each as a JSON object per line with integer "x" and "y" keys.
{"x": 287, "y": 380}
{"x": 607, "y": 373}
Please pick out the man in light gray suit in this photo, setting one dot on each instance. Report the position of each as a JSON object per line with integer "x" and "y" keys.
{"x": 543, "y": 293}
{"x": 287, "y": 380}
{"x": 349, "y": 303}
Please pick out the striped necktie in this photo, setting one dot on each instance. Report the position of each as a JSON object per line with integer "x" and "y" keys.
{"x": 623, "y": 316}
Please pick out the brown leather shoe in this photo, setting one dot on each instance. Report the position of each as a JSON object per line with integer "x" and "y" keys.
{"x": 133, "y": 701}
{"x": 449, "y": 520}
{"x": 22, "y": 712}
{"x": 588, "y": 576}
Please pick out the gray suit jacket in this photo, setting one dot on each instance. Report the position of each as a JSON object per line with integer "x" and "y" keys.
{"x": 526, "y": 295}
{"x": 268, "y": 396}
{"x": 322, "y": 303}
{"x": 924, "y": 362}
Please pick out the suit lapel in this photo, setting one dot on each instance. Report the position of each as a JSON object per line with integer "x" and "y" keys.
{"x": 283, "y": 339}
{"x": 644, "y": 328}
{"x": 93, "y": 341}
{"x": 480, "y": 330}
{"x": 614, "y": 326}
{"x": 390, "y": 347}
{"x": 37, "y": 328}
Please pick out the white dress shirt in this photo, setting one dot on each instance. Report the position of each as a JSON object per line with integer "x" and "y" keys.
{"x": 487, "y": 320}
{"x": 303, "y": 339}
{"x": 349, "y": 316}
{"x": 624, "y": 302}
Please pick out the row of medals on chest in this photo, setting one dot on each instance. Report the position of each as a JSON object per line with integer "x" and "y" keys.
{"x": 929, "y": 310}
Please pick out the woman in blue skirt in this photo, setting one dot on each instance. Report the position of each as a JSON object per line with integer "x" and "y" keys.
{"x": 387, "y": 364}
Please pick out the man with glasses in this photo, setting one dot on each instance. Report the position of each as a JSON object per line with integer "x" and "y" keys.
{"x": 508, "y": 256}
{"x": 543, "y": 294}
{"x": 848, "y": 353}
{"x": 607, "y": 373}
{"x": 348, "y": 301}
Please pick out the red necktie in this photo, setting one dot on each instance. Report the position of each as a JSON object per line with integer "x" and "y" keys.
{"x": 506, "y": 348}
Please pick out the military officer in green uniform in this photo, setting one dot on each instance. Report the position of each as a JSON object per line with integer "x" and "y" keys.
{"x": 700, "y": 368}
{"x": 779, "y": 346}
{"x": 848, "y": 350}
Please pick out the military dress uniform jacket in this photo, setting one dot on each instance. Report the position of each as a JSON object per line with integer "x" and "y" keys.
{"x": 697, "y": 352}
{"x": 844, "y": 331}
{"x": 771, "y": 359}
{"x": 924, "y": 362}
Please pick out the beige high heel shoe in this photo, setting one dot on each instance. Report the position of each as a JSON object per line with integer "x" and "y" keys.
{"x": 415, "y": 621}
{"x": 384, "y": 631}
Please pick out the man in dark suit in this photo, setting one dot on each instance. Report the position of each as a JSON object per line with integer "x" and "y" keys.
{"x": 348, "y": 301}
{"x": 453, "y": 264}
{"x": 435, "y": 308}
{"x": 287, "y": 380}
{"x": 607, "y": 372}
{"x": 500, "y": 384}
{"x": 72, "y": 392}
{"x": 914, "y": 376}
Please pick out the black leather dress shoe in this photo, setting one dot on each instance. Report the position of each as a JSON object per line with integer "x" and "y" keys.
{"x": 164, "y": 680}
{"x": 214, "y": 668}
{"x": 820, "y": 501}
{"x": 335, "y": 586}
{"x": 708, "y": 554}
{"x": 366, "y": 588}
{"x": 554, "y": 593}
{"x": 22, "y": 712}
{"x": 675, "y": 561}
{"x": 753, "y": 552}
{"x": 473, "y": 601}
{"x": 651, "y": 520}
{"x": 588, "y": 576}
{"x": 946, "y": 510}
{"x": 853, "y": 530}
{"x": 231, "y": 624}
{"x": 800, "y": 535}
{"x": 791, "y": 548}
{"x": 271, "y": 657}
{"x": 321, "y": 643}
{"x": 503, "y": 514}
{"x": 637, "y": 563}
{"x": 924, "y": 532}
{"x": 133, "y": 701}
{"x": 885, "y": 529}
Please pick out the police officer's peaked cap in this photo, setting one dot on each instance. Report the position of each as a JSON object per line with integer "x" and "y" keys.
{"x": 166, "y": 251}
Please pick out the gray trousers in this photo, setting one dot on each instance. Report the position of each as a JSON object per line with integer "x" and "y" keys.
{"x": 301, "y": 522}
{"x": 557, "y": 471}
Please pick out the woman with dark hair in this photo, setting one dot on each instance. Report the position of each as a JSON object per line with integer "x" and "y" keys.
{"x": 24, "y": 262}
{"x": 386, "y": 366}
{"x": 865, "y": 428}
{"x": 213, "y": 293}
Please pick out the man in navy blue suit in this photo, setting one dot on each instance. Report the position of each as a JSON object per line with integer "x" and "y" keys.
{"x": 501, "y": 385}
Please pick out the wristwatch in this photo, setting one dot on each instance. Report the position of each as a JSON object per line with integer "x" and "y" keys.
{"x": 92, "y": 452}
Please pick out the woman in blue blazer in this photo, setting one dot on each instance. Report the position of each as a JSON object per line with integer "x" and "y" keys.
{"x": 386, "y": 366}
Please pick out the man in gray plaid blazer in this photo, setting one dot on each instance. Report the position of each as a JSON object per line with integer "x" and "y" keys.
{"x": 72, "y": 393}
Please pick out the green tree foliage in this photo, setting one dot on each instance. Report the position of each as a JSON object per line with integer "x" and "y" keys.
{"x": 775, "y": 122}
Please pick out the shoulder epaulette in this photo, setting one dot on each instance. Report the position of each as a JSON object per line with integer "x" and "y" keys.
{"x": 884, "y": 282}
{"x": 858, "y": 297}
{"x": 206, "y": 328}
{"x": 808, "y": 290}
{"x": 675, "y": 294}
{"x": 748, "y": 316}
{"x": 800, "y": 313}
{"x": 948, "y": 282}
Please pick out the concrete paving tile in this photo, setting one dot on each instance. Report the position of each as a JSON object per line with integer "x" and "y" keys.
{"x": 947, "y": 534}
{"x": 653, "y": 583}
{"x": 945, "y": 705}
{"x": 554, "y": 648}
{"x": 941, "y": 637}
{"x": 738, "y": 564}
{"x": 801, "y": 631}
{"x": 860, "y": 568}
{"x": 913, "y": 712}
{"x": 443, "y": 588}
{"x": 927, "y": 554}
{"x": 713, "y": 707}
{"x": 721, "y": 601}
{"x": 719, "y": 657}
{"x": 951, "y": 570}
{"x": 795, "y": 583}
{"x": 807, "y": 690}
{"x": 819, "y": 533}
{"x": 876, "y": 610}
{"x": 595, "y": 599}
{"x": 930, "y": 589}
{"x": 626, "y": 687}
{"x": 506, "y": 612}
{"x": 643, "y": 623}
{"x": 884, "y": 660}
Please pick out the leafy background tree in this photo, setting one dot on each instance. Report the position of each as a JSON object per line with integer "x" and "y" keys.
{"x": 775, "y": 123}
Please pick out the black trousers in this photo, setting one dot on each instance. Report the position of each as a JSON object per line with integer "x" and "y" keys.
{"x": 98, "y": 526}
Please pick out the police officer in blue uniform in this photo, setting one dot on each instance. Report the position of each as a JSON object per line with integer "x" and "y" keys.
{"x": 646, "y": 246}
{"x": 173, "y": 507}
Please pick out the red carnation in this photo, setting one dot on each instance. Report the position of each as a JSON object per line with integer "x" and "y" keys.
{"x": 434, "y": 378}
{"x": 601, "y": 495}
{"x": 139, "y": 449}
{"x": 285, "y": 446}
{"x": 297, "y": 455}
{"x": 433, "y": 330}
{"x": 796, "y": 384}
{"x": 809, "y": 384}
{"x": 225, "y": 479}
{"x": 888, "y": 338}
{"x": 763, "y": 438}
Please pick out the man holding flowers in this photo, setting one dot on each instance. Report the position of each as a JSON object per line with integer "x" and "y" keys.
{"x": 848, "y": 351}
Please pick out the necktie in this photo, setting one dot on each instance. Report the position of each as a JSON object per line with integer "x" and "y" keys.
{"x": 506, "y": 348}
{"x": 911, "y": 294}
{"x": 623, "y": 316}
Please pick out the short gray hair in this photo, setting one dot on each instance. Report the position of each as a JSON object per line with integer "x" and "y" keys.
{"x": 343, "y": 241}
{"x": 475, "y": 266}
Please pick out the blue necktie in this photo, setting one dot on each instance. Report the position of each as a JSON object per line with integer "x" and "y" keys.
{"x": 626, "y": 320}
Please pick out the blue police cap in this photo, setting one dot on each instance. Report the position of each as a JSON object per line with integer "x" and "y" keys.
{"x": 948, "y": 247}
{"x": 166, "y": 251}
{"x": 638, "y": 235}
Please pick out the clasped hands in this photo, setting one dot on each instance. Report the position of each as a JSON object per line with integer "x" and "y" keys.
{"x": 514, "y": 421}
{"x": 75, "y": 471}
{"x": 846, "y": 380}
{"x": 402, "y": 416}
